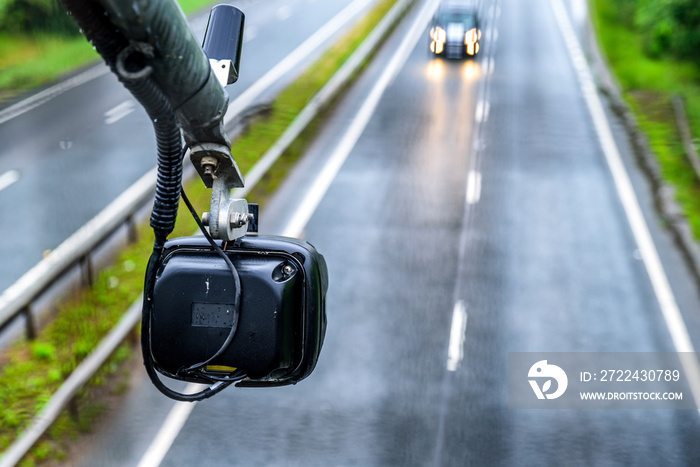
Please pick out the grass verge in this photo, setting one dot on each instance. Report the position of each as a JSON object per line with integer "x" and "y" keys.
{"x": 32, "y": 371}
{"x": 31, "y": 59}
{"x": 648, "y": 86}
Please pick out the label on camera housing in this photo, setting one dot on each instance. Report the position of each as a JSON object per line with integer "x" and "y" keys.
{"x": 213, "y": 315}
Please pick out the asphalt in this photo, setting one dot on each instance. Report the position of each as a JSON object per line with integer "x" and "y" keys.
{"x": 541, "y": 259}
{"x": 544, "y": 260}
{"x": 73, "y": 157}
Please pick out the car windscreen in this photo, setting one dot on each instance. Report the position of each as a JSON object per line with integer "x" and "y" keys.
{"x": 467, "y": 19}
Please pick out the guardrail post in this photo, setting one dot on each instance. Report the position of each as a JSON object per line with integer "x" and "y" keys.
{"x": 686, "y": 133}
{"x": 73, "y": 409}
{"x": 134, "y": 337}
{"x": 129, "y": 325}
{"x": 86, "y": 269}
{"x": 29, "y": 322}
{"x": 132, "y": 231}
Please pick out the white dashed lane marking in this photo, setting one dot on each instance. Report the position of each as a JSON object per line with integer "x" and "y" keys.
{"x": 482, "y": 111}
{"x": 119, "y": 112}
{"x": 455, "y": 352}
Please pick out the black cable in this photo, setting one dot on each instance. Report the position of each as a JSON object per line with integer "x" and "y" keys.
{"x": 133, "y": 73}
{"x": 116, "y": 49}
{"x": 151, "y": 271}
{"x": 236, "y": 284}
{"x": 220, "y": 383}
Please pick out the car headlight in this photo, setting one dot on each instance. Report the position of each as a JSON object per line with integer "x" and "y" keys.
{"x": 471, "y": 41}
{"x": 439, "y": 36}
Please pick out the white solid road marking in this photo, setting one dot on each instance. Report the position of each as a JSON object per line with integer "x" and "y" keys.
{"x": 458, "y": 330}
{"x": 664, "y": 294}
{"x": 335, "y": 161}
{"x": 119, "y": 112}
{"x": 181, "y": 411}
{"x": 481, "y": 114}
{"x": 8, "y": 178}
{"x": 473, "y": 187}
{"x": 46, "y": 95}
{"x": 293, "y": 60}
{"x": 167, "y": 434}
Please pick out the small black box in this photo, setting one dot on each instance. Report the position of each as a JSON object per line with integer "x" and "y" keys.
{"x": 281, "y": 321}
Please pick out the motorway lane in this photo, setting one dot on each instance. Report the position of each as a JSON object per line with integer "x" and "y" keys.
{"x": 337, "y": 407}
{"x": 553, "y": 266}
{"x": 79, "y": 151}
{"x": 389, "y": 228}
{"x": 542, "y": 258}
{"x": 548, "y": 263}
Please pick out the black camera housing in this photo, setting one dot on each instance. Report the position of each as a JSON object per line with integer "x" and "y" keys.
{"x": 280, "y": 323}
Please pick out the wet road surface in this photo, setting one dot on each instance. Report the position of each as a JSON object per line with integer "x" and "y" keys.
{"x": 480, "y": 190}
{"x": 64, "y": 161}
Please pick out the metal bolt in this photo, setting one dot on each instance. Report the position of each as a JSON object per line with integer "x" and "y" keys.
{"x": 209, "y": 165}
{"x": 235, "y": 220}
{"x": 239, "y": 220}
{"x": 287, "y": 270}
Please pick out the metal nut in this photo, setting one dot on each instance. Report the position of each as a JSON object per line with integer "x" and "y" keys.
{"x": 209, "y": 164}
{"x": 239, "y": 220}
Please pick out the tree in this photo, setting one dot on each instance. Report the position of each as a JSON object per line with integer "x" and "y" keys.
{"x": 670, "y": 26}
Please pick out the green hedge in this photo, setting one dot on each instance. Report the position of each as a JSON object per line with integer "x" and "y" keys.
{"x": 32, "y": 16}
{"x": 669, "y": 26}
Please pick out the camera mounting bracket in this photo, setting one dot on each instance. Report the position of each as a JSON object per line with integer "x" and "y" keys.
{"x": 228, "y": 217}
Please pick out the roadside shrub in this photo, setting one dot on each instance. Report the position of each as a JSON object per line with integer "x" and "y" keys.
{"x": 653, "y": 19}
{"x": 626, "y": 10}
{"x": 24, "y": 16}
{"x": 669, "y": 27}
{"x": 686, "y": 37}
